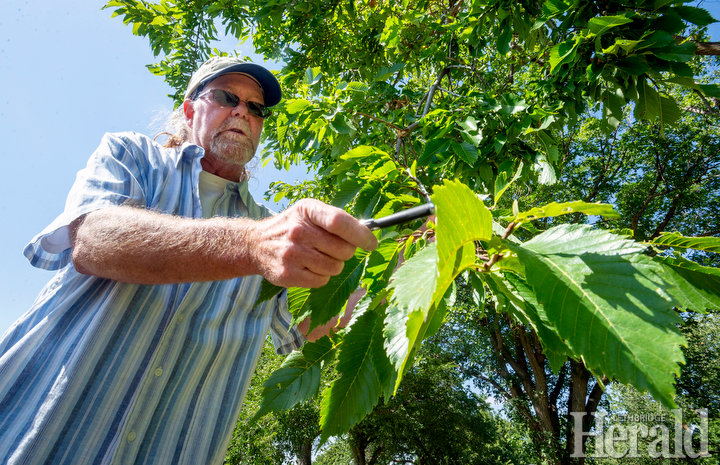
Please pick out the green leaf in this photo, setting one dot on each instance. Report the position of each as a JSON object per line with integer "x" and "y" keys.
{"x": 346, "y": 192}
{"x": 634, "y": 65}
{"x": 502, "y": 182}
{"x": 466, "y": 152}
{"x": 546, "y": 174}
{"x": 420, "y": 284}
{"x": 380, "y": 265}
{"x": 401, "y": 333}
{"x": 387, "y": 72}
{"x": 415, "y": 281}
{"x": 360, "y": 87}
{"x": 297, "y": 380}
{"x": 432, "y": 148}
{"x": 565, "y": 208}
{"x": 602, "y": 24}
{"x": 511, "y": 104}
{"x": 367, "y": 200}
{"x": 698, "y": 16}
{"x": 313, "y": 76}
{"x": 405, "y": 329}
{"x": 462, "y": 218}
{"x": 669, "y": 110}
{"x": 360, "y": 152}
{"x": 504, "y": 37}
{"x": 364, "y": 374}
{"x": 267, "y": 291}
{"x": 296, "y": 105}
{"x": 677, "y": 240}
{"x": 605, "y": 300}
{"x": 554, "y": 7}
{"x": 478, "y": 288}
{"x": 562, "y": 53}
{"x": 710, "y": 90}
{"x": 328, "y": 301}
{"x": 531, "y": 313}
{"x": 695, "y": 287}
{"x": 625, "y": 45}
{"x": 298, "y": 302}
{"x": 343, "y": 125}
{"x": 648, "y": 106}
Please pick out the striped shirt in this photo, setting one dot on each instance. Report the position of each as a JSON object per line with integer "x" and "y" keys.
{"x": 102, "y": 372}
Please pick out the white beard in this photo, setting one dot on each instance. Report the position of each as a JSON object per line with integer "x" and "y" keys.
{"x": 232, "y": 151}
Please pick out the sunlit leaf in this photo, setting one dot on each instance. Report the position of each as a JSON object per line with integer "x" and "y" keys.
{"x": 297, "y": 380}
{"x": 677, "y": 240}
{"x": 601, "y": 24}
{"x": 364, "y": 374}
{"x": 606, "y": 301}
{"x": 695, "y": 287}
{"x": 566, "y": 208}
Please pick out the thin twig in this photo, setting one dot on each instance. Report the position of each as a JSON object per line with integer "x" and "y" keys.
{"x": 429, "y": 99}
{"x": 395, "y": 127}
{"x": 421, "y": 187}
{"x": 509, "y": 230}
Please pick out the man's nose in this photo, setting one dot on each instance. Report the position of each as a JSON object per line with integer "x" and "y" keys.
{"x": 240, "y": 109}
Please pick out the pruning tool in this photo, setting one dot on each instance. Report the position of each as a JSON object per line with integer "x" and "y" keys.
{"x": 403, "y": 216}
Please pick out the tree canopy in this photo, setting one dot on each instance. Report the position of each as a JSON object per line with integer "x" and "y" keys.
{"x": 467, "y": 104}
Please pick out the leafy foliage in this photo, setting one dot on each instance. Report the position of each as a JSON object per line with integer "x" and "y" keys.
{"x": 473, "y": 100}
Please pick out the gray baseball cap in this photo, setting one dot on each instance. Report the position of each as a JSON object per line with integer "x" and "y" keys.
{"x": 217, "y": 66}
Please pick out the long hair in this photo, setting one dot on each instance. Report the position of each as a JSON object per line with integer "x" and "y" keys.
{"x": 178, "y": 130}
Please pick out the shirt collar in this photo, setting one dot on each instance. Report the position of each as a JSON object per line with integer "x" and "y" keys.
{"x": 190, "y": 152}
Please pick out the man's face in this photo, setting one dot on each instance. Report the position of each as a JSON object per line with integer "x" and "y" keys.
{"x": 229, "y": 136}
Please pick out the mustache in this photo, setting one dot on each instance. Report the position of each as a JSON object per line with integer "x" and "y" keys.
{"x": 240, "y": 125}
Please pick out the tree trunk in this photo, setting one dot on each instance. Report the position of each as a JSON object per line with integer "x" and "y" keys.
{"x": 305, "y": 457}
{"x": 528, "y": 381}
{"x": 358, "y": 447}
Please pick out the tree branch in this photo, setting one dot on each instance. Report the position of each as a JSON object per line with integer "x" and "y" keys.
{"x": 708, "y": 48}
{"x": 429, "y": 98}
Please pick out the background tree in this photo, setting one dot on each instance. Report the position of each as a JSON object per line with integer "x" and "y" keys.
{"x": 389, "y": 101}
{"x": 337, "y": 453}
{"x": 628, "y": 407}
{"x": 435, "y": 419}
{"x": 278, "y": 438}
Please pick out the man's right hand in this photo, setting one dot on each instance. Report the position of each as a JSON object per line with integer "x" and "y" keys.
{"x": 307, "y": 244}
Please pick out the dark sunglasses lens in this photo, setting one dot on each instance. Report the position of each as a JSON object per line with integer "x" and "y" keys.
{"x": 256, "y": 109}
{"x": 225, "y": 98}
{"x": 228, "y": 99}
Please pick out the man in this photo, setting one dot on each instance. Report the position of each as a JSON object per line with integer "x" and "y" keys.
{"x": 141, "y": 348}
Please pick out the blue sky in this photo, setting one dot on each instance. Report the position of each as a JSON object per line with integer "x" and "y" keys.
{"x": 70, "y": 73}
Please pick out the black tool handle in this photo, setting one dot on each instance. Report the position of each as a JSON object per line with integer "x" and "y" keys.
{"x": 403, "y": 216}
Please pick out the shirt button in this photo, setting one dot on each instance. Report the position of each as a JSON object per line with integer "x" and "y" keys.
{"x": 180, "y": 318}
{"x": 158, "y": 372}
{"x": 131, "y": 436}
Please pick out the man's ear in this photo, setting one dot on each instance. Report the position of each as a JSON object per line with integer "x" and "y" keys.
{"x": 189, "y": 111}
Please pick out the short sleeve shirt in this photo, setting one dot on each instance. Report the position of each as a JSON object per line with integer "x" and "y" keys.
{"x": 103, "y": 372}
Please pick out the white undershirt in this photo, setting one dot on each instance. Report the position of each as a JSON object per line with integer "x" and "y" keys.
{"x": 211, "y": 188}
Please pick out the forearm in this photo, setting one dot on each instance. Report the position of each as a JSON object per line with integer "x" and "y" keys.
{"x": 141, "y": 246}
{"x": 301, "y": 247}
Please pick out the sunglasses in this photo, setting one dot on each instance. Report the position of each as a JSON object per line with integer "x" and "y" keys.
{"x": 228, "y": 99}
